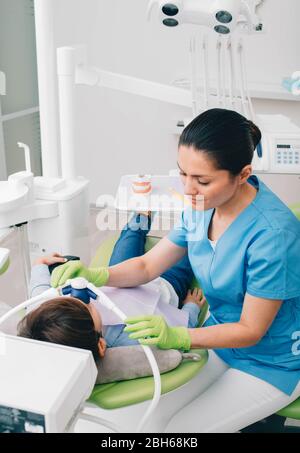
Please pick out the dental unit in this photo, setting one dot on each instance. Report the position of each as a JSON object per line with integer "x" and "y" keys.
{"x": 55, "y": 419}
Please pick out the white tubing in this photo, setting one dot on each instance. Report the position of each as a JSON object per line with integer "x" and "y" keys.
{"x": 242, "y": 87}
{"x": 230, "y": 90}
{"x": 193, "y": 75}
{"x": 50, "y": 293}
{"x": 223, "y": 74}
{"x": 219, "y": 71}
{"x": 231, "y": 74}
{"x": 245, "y": 83}
{"x": 206, "y": 72}
{"x": 157, "y": 388}
{"x": 149, "y": 354}
{"x": 99, "y": 421}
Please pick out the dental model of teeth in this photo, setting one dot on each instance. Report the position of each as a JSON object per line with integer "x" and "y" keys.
{"x": 141, "y": 184}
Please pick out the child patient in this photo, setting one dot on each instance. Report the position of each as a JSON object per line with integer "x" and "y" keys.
{"x": 70, "y": 322}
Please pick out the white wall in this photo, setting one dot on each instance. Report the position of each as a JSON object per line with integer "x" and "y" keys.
{"x": 118, "y": 133}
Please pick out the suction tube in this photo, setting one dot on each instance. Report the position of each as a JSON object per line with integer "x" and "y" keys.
{"x": 104, "y": 300}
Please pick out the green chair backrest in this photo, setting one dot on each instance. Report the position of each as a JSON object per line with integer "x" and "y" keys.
{"x": 4, "y": 268}
{"x": 295, "y": 208}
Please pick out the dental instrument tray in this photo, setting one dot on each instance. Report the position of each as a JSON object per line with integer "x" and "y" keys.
{"x": 166, "y": 195}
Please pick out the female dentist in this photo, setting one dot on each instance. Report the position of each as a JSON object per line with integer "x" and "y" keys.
{"x": 243, "y": 244}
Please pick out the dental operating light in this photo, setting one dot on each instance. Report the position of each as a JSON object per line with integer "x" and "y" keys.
{"x": 222, "y": 16}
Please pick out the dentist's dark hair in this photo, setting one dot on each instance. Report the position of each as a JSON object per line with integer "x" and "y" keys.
{"x": 225, "y": 136}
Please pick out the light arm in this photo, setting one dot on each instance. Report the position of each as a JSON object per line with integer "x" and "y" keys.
{"x": 132, "y": 85}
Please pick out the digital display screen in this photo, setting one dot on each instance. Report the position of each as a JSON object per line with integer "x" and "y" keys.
{"x": 284, "y": 146}
{"x": 18, "y": 421}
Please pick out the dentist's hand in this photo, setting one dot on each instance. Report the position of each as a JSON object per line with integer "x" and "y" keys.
{"x": 153, "y": 330}
{"x": 73, "y": 269}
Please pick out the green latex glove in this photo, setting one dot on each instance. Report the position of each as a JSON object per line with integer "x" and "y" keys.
{"x": 73, "y": 269}
{"x": 153, "y": 330}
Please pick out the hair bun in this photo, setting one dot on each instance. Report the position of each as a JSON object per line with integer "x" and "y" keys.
{"x": 255, "y": 133}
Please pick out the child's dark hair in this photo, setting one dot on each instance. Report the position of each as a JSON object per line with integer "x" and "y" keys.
{"x": 225, "y": 136}
{"x": 65, "y": 321}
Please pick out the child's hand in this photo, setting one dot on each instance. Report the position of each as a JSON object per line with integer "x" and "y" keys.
{"x": 196, "y": 297}
{"x": 51, "y": 259}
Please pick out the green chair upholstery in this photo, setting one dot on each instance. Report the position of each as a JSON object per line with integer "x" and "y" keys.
{"x": 291, "y": 411}
{"x": 295, "y": 208}
{"x": 125, "y": 393}
{"x": 120, "y": 394}
{"x": 4, "y": 267}
{"x": 104, "y": 251}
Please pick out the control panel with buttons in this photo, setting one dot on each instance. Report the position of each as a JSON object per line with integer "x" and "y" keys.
{"x": 287, "y": 154}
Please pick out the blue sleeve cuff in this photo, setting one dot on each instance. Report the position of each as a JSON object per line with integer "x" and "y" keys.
{"x": 193, "y": 312}
{"x": 176, "y": 238}
{"x": 178, "y": 234}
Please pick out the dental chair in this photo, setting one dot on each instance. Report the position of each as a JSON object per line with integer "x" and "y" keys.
{"x": 123, "y": 403}
{"x": 119, "y": 406}
{"x": 118, "y": 395}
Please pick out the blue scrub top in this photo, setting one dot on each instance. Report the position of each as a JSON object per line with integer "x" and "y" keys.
{"x": 258, "y": 254}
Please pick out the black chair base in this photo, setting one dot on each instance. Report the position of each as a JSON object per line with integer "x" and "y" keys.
{"x": 272, "y": 424}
